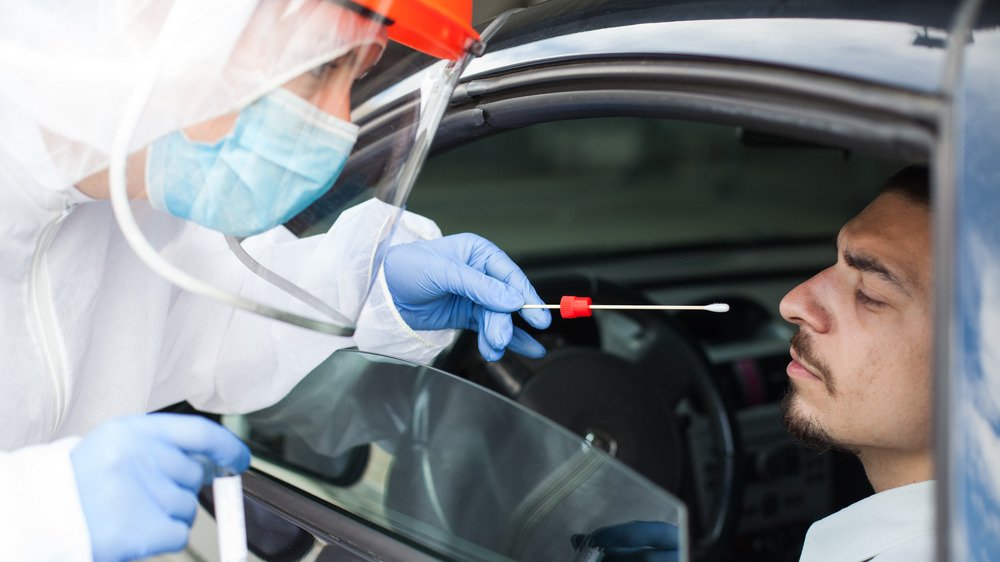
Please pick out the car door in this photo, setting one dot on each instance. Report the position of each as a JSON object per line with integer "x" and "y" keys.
{"x": 968, "y": 274}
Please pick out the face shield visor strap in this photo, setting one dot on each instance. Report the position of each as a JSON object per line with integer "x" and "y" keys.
{"x": 441, "y": 87}
{"x": 363, "y": 11}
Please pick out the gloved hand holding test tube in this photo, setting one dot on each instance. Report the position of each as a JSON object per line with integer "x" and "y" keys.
{"x": 579, "y": 307}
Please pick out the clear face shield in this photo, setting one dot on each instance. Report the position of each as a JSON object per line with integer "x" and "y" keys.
{"x": 242, "y": 119}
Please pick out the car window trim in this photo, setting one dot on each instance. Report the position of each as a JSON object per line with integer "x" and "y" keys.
{"x": 337, "y": 528}
{"x": 805, "y": 105}
{"x": 843, "y": 112}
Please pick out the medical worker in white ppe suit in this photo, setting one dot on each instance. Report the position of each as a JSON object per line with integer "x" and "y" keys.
{"x": 246, "y": 122}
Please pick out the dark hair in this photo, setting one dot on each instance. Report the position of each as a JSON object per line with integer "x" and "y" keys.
{"x": 912, "y": 183}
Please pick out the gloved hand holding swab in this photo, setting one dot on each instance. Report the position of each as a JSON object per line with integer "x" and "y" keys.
{"x": 578, "y": 307}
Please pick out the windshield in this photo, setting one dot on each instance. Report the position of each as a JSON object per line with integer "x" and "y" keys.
{"x": 463, "y": 472}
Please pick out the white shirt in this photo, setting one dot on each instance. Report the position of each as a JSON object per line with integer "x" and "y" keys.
{"x": 896, "y": 525}
{"x": 88, "y": 332}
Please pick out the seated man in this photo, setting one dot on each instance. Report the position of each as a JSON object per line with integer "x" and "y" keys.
{"x": 861, "y": 382}
{"x": 861, "y": 374}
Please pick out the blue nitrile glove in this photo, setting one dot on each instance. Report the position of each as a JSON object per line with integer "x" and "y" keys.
{"x": 637, "y": 541}
{"x": 138, "y": 482}
{"x": 466, "y": 282}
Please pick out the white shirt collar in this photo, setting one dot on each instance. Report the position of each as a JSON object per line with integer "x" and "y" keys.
{"x": 877, "y": 523}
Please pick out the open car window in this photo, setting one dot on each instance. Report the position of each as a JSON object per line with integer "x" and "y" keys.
{"x": 622, "y": 185}
{"x": 444, "y": 464}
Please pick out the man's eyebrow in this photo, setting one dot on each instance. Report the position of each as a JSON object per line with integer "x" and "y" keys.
{"x": 870, "y": 264}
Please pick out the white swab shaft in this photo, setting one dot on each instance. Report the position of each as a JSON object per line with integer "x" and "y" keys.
{"x": 645, "y": 307}
{"x": 715, "y": 307}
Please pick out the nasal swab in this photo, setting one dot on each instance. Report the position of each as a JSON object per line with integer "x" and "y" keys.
{"x": 577, "y": 307}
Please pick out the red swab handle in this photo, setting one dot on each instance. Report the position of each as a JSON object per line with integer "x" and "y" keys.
{"x": 574, "y": 307}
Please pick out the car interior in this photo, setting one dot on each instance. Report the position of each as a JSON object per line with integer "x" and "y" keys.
{"x": 642, "y": 210}
{"x": 636, "y": 210}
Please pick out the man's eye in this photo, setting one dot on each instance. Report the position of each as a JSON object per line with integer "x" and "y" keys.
{"x": 866, "y": 300}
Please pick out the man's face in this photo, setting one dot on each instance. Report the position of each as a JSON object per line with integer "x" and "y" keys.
{"x": 861, "y": 359}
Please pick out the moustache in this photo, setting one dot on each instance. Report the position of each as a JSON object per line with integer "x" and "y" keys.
{"x": 804, "y": 347}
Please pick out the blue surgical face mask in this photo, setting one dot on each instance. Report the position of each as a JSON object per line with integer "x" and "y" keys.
{"x": 282, "y": 154}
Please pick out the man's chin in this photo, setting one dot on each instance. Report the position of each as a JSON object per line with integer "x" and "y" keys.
{"x": 804, "y": 429}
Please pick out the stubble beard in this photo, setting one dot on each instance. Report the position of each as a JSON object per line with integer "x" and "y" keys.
{"x": 804, "y": 429}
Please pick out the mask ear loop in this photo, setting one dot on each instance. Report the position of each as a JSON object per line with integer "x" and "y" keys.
{"x": 118, "y": 187}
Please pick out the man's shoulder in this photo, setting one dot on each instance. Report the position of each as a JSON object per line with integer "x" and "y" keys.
{"x": 883, "y": 527}
{"x": 914, "y": 548}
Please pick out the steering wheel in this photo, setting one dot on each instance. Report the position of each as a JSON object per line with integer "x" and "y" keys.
{"x": 619, "y": 380}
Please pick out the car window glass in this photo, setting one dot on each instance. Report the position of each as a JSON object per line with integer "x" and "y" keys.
{"x": 608, "y": 185}
{"x": 444, "y": 463}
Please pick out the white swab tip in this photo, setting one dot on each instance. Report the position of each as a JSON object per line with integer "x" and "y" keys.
{"x": 717, "y": 307}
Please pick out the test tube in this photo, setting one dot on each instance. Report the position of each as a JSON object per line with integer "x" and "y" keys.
{"x": 227, "y": 491}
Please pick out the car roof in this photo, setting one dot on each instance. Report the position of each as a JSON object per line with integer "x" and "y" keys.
{"x": 899, "y": 44}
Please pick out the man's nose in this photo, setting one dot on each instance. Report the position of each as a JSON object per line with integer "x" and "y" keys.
{"x": 806, "y": 305}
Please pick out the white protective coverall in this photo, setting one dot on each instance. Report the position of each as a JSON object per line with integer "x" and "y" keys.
{"x": 896, "y": 525}
{"x": 87, "y": 332}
